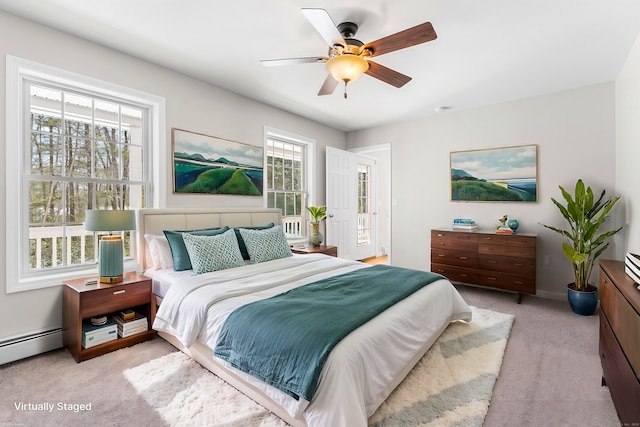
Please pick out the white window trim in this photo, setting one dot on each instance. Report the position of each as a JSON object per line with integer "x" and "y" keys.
{"x": 18, "y": 71}
{"x": 274, "y": 133}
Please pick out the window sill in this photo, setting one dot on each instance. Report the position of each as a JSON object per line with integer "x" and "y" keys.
{"x": 44, "y": 280}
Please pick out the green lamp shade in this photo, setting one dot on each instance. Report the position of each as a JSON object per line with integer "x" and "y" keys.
{"x": 109, "y": 220}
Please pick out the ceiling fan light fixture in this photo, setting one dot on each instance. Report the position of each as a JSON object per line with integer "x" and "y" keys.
{"x": 347, "y": 67}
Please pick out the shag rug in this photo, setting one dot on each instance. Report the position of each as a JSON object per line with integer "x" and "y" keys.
{"x": 450, "y": 386}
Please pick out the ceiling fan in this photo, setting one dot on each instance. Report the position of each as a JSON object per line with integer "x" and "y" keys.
{"x": 349, "y": 58}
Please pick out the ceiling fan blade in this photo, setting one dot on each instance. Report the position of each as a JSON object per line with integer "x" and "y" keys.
{"x": 323, "y": 24}
{"x": 387, "y": 75}
{"x": 291, "y": 61}
{"x": 328, "y": 86}
{"x": 410, "y": 37}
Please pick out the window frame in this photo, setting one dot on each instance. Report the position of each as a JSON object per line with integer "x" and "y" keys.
{"x": 22, "y": 73}
{"x": 308, "y": 173}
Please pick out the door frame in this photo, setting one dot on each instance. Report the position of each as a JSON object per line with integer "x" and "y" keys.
{"x": 386, "y": 150}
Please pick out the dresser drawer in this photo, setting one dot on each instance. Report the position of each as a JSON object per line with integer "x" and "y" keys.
{"x": 514, "y": 240}
{"x": 506, "y": 250}
{"x": 450, "y": 257}
{"x": 451, "y": 240}
{"x": 507, "y": 264}
{"x": 624, "y": 320}
{"x": 623, "y": 384}
{"x": 102, "y": 301}
{"x": 512, "y": 282}
{"x": 455, "y": 274}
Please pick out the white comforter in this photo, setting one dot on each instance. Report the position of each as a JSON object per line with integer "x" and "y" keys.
{"x": 358, "y": 374}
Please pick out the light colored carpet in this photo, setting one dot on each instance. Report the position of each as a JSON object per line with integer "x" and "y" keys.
{"x": 450, "y": 386}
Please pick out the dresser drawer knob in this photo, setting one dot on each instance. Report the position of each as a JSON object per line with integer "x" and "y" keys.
{"x": 492, "y": 261}
{"x": 463, "y": 257}
{"x": 492, "y": 278}
{"x": 441, "y": 255}
{"x": 440, "y": 234}
{"x": 122, "y": 291}
{"x": 519, "y": 265}
{"x": 517, "y": 282}
{"x": 463, "y": 275}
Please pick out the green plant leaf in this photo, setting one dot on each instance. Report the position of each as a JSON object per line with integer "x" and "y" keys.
{"x": 584, "y": 218}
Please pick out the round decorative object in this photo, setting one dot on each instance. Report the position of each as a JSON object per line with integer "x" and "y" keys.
{"x": 315, "y": 239}
{"x": 513, "y": 224}
{"x": 583, "y": 302}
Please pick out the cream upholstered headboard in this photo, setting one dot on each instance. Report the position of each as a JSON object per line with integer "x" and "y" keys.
{"x": 154, "y": 221}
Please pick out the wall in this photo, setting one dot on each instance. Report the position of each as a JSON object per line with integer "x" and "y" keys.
{"x": 628, "y": 150}
{"x": 575, "y": 134}
{"x": 190, "y": 104}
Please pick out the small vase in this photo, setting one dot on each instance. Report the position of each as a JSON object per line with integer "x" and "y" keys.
{"x": 513, "y": 224}
{"x": 315, "y": 239}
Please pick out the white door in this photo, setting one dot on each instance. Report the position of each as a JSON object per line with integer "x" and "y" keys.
{"x": 341, "y": 197}
{"x": 367, "y": 219}
{"x": 351, "y": 204}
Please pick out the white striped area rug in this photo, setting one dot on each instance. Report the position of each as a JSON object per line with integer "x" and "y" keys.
{"x": 451, "y": 386}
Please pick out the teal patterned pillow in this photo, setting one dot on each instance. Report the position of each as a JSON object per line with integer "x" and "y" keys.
{"x": 213, "y": 253}
{"x": 266, "y": 245}
{"x": 243, "y": 247}
{"x": 181, "y": 260}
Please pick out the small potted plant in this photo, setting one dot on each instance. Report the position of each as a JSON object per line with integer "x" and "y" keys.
{"x": 583, "y": 243}
{"x": 318, "y": 214}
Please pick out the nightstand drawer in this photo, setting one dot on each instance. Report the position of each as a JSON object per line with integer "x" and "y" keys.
{"x": 112, "y": 299}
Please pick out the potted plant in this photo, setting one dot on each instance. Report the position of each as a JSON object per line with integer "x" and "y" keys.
{"x": 583, "y": 243}
{"x": 318, "y": 213}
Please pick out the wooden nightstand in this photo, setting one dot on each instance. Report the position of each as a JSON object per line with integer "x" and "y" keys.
{"x": 81, "y": 301}
{"x": 322, "y": 249}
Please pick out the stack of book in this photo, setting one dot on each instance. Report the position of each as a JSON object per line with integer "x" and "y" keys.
{"x": 130, "y": 324}
{"x": 464, "y": 224}
{"x": 93, "y": 334}
{"x": 504, "y": 230}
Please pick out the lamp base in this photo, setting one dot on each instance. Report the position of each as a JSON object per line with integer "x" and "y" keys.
{"x": 115, "y": 279}
{"x": 110, "y": 266}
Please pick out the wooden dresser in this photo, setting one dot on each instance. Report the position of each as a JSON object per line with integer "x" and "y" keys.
{"x": 620, "y": 340}
{"x": 506, "y": 262}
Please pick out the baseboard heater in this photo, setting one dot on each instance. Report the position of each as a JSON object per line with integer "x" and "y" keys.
{"x": 19, "y": 347}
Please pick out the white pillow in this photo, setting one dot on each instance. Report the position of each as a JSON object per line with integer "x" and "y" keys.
{"x": 266, "y": 245}
{"x": 159, "y": 252}
{"x": 213, "y": 253}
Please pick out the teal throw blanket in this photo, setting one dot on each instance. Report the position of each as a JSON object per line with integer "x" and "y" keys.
{"x": 285, "y": 340}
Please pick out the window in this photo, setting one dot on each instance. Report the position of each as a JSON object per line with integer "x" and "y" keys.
{"x": 85, "y": 145}
{"x": 289, "y": 160}
{"x": 364, "y": 204}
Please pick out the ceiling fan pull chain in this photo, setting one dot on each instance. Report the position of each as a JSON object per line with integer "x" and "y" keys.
{"x": 345, "y": 89}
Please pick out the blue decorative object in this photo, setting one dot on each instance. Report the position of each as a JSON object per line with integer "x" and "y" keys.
{"x": 513, "y": 224}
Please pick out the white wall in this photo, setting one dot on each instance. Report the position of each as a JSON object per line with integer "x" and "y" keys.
{"x": 575, "y": 134}
{"x": 627, "y": 170}
{"x": 190, "y": 104}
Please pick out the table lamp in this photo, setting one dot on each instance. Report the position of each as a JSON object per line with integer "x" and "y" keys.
{"x": 110, "y": 261}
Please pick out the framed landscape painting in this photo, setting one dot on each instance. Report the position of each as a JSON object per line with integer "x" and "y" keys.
{"x": 508, "y": 174}
{"x": 209, "y": 165}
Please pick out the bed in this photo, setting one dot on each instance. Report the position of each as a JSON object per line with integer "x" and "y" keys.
{"x": 360, "y": 371}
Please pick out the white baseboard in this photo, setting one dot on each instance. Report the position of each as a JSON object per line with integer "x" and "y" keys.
{"x": 552, "y": 295}
{"x": 27, "y": 345}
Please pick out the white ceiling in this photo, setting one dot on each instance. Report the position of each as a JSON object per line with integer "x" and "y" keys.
{"x": 487, "y": 51}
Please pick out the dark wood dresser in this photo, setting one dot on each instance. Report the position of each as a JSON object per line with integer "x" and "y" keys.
{"x": 620, "y": 339}
{"x": 498, "y": 261}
